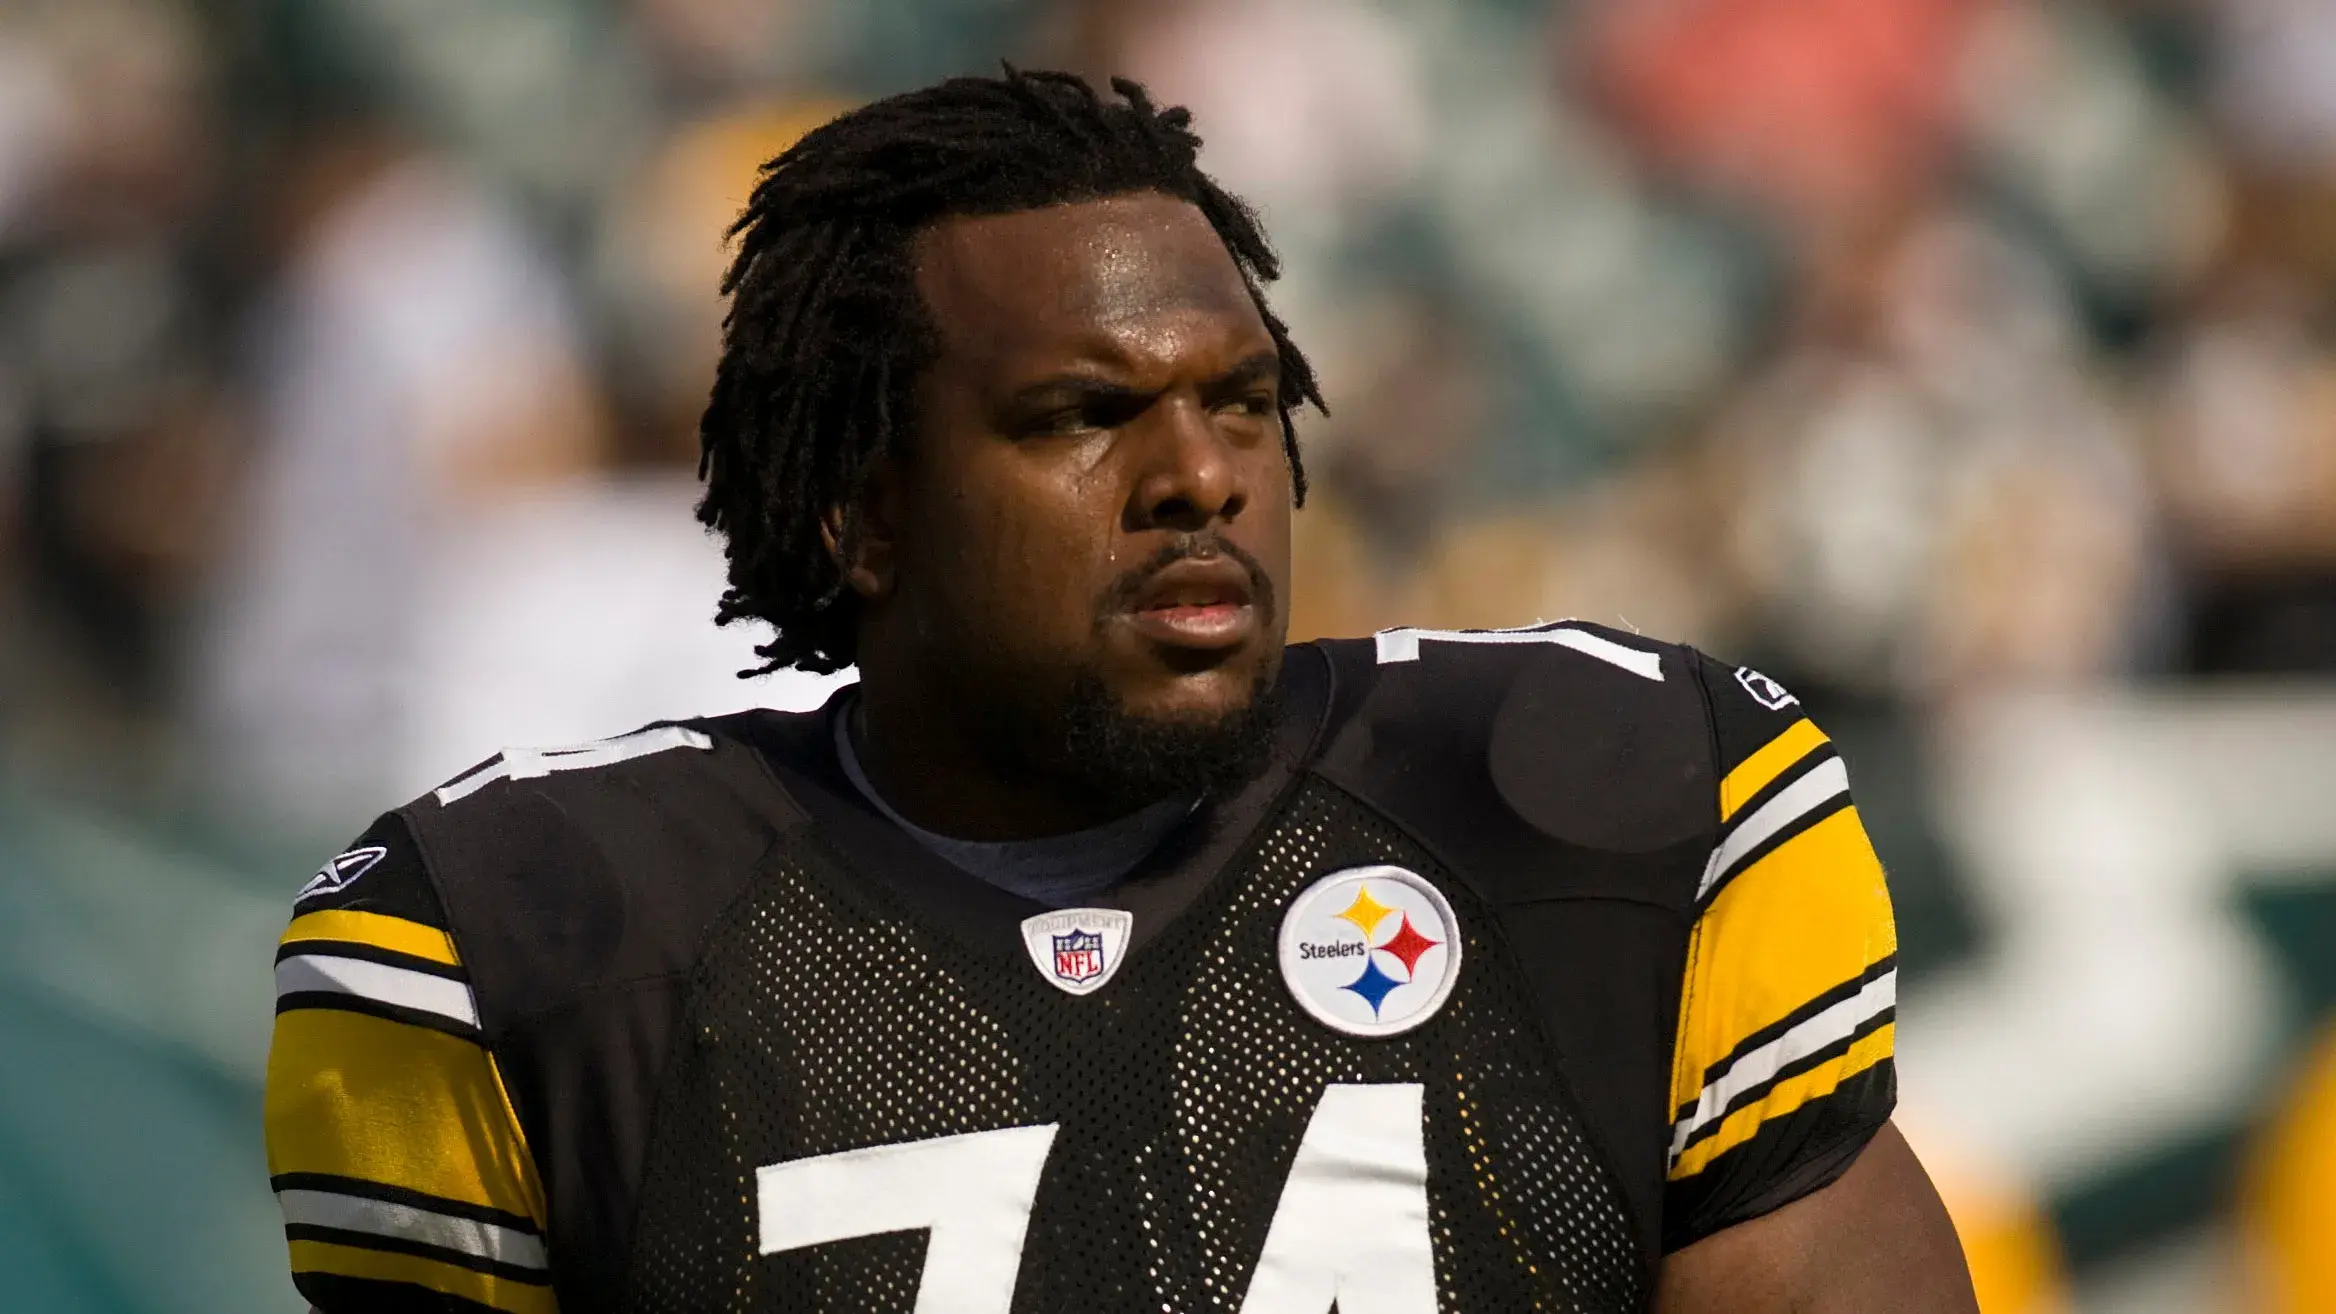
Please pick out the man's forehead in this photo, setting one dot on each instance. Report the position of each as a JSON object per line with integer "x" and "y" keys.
{"x": 1035, "y": 279}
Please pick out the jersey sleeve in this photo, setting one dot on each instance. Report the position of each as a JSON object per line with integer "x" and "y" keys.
{"x": 394, "y": 1151}
{"x": 1781, "y": 1070}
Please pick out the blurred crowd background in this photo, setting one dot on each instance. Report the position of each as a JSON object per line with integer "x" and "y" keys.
{"x": 1968, "y": 365}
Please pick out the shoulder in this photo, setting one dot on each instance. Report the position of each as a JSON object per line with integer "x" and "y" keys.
{"x": 1627, "y": 676}
{"x": 1596, "y": 738}
{"x": 1598, "y": 681}
{"x": 667, "y": 790}
{"x": 559, "y": 868}
{"x": 389, "y": 1141}
{"x": 380, "y": 874}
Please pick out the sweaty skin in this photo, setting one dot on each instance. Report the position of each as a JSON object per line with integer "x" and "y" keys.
{"x": 1105, "y": 391}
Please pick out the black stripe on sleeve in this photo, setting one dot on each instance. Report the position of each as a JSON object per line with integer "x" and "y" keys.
{"x": 399, "y": 1195}
{"x": 347, "y": 1003}
{"x": 1810, "y": 761}
{"x": 398, "y": 1245}
{"x": 1754, "y": 1094}
{"x": 1887, "y": 964}
{"x": 1788, "y": 1158}
{"x": 330, "y": 1293}
{"x": 1799, "y": 826}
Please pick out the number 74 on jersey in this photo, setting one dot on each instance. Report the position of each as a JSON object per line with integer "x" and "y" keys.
{"x": 1351, "y": 1228}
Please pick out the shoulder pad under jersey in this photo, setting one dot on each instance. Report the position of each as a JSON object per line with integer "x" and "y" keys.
{"x": 1561, "y": 759}
{"x": 563, "y": 869}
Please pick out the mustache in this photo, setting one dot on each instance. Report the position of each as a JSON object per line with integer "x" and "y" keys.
{"x": 1128, "y": 587}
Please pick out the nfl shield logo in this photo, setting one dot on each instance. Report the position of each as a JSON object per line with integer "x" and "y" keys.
{"x": 1078, "y": 956}
{"x": 1078, "y": 950}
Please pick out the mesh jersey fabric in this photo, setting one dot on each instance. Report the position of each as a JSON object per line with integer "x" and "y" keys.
{"x": 826, "y": 1021}
{"x": 692, "y": 946}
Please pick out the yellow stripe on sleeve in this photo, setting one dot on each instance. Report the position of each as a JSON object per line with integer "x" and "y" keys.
{"x": 360, "y": 1096}
{"x": 1787, "y": 1097}
{"x": 1810, "y": 916}
{"x": 376, "y": 929}
{"x": 384, "y": 1266}
{"x": 1754, "y": 773}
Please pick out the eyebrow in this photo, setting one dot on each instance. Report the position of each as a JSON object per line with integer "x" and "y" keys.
{"x": 1081, "y": 388}
{"x": 1256, "y": 368}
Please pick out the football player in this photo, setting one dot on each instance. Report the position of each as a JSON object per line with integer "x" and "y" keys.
{"x": 1096, "y": 951}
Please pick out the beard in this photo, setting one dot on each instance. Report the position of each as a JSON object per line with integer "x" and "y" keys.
{"x": 1128, "y": 761}
{"x": 1075, "y": 736}
{"x": 1063, "y": 727}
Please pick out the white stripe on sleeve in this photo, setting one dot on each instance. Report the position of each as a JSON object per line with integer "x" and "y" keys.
{"x": 1759, "y": 1067}
{"x": 404, "y": 987}
{"x": 355, "y": 1213}
{"x": 1797, "y": 800}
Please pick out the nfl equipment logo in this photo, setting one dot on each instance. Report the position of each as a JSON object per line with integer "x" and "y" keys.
{"x": 1078, "y": 950}
{"x": 1078, "y": 957}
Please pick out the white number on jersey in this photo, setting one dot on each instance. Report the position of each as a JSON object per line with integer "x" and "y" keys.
{"x": 973, "y": 1192}
{"x": 1351, "y": 1229}
{"x": 529, "y": 763}
{"x": 1402, "y": 645}
{"x": 1352, "y": 1226}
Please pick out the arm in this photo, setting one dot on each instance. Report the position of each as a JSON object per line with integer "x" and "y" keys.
{"x": 406, "y": 1185}
{"x": 1788, "y": 1187}
{"x": 1875, "y": 1240}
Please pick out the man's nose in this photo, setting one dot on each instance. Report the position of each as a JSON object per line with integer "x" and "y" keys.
{"x": 1193, "y": 477}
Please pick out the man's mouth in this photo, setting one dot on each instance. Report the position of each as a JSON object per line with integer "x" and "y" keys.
{"x": 1197, "y": 603}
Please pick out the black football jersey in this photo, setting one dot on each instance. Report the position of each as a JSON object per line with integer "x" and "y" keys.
{"x": 1534, "y": 956}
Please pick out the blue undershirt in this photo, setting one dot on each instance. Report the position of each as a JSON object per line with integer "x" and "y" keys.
{"x": 1055, "y": 870}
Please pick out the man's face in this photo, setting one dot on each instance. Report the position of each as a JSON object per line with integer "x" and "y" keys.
{"x": 1096, "y": 504}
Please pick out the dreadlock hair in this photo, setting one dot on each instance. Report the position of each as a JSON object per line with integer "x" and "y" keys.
{"x": 827, "y": 335}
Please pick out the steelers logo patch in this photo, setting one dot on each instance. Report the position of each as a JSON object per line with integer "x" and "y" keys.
{"x": 1371, "y": 951}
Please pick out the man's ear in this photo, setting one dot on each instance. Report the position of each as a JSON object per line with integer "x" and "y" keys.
{"x": 875, "y": 534}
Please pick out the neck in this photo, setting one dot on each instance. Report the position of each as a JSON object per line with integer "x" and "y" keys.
{"x": 944, "y": 774}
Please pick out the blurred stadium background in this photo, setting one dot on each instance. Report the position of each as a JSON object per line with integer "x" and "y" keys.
{"x": 1970, "y": 365}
